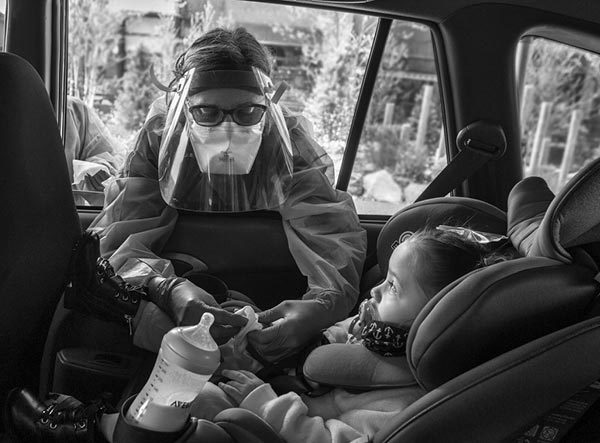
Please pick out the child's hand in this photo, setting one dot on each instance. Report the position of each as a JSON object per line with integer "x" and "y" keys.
{"x": 242, "y": 383}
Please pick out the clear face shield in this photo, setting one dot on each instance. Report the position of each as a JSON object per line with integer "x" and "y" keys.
{"x": 225, "y": 146}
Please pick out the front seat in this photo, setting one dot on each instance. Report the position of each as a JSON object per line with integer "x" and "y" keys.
{"x": 39, "y": 222}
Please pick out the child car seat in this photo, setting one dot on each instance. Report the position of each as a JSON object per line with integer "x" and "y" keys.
{"x": 503, "y": 345}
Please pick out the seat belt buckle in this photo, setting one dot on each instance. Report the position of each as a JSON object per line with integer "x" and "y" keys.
{"x": 484, "y": 138}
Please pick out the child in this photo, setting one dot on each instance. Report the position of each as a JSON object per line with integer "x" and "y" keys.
{"x": 418, "y": 269}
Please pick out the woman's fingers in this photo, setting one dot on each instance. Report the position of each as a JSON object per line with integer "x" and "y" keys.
{"x": 224, "y": 317}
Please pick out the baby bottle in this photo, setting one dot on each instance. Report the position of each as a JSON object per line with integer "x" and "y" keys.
{"x": 187, "y": 358}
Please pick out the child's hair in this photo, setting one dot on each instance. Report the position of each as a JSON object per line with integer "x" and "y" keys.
{"x": 443, "y": 256}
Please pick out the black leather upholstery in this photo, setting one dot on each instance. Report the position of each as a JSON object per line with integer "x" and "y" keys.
{"x": 39, "y": 223}
{"x": 494, "y": 310}
{"x": 456, "y": 211}
{"x": 245, "y": 250}
{"x": 492, "y": 402}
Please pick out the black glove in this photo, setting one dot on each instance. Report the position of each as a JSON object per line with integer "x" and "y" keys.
{"x": 292, "y": 324}
{"x": 184, "y": 303}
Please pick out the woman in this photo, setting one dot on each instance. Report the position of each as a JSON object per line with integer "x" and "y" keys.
{"x": 221, "y": 143}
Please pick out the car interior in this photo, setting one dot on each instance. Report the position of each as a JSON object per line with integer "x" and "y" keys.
{"x": 500, "y": 352}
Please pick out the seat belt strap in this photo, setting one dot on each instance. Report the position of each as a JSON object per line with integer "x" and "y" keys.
{"x": 478, "y": 143}
{"x": 461, "y": 167}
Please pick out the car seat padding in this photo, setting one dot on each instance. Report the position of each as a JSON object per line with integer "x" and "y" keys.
{"x": 493, "y": 310}
{"x": 456, "y": 211}
{"x": 571, "y": 220}
{"x": 528, "y": 202}
{"x": 356, "y": 367}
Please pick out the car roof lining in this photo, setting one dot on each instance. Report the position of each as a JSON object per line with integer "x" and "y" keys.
{"x": 437, "y": 11}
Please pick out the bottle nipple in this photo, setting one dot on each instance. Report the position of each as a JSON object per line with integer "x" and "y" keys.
{"x": 199, "y": 335}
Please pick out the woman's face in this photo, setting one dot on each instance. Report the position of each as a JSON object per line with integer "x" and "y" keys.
{"x": 226, "y": 98}
{"x": 400, "y": 298}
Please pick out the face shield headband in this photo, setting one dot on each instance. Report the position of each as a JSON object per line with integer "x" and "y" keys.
{"x": 220, "y": 159}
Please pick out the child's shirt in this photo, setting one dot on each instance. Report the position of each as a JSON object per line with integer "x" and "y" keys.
{"x": 338, "y": 416}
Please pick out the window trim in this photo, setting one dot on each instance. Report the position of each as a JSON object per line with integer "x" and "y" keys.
{"x": 363, "y": 102}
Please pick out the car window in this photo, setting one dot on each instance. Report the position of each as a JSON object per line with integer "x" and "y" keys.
{"x": 560, "y": 104}
{"x": 2, "y": 25}
{"x": 321, "y": 54}
{"x": 402, "y": 144}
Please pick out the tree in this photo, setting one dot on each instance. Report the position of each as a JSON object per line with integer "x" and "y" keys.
{"x": 181, "y": 30}
{"x": 93, "y": 39}
{"x": 340, "y": 56}
{"x": 566, "y": 77}
{"x": 136, "y": 92}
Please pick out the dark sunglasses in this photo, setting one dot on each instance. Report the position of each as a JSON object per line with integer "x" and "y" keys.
{"x": 209, "y": 115}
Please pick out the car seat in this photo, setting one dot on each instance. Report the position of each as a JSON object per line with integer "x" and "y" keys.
{"x": 39, "y": 222}
{"x": 503, "y": 345}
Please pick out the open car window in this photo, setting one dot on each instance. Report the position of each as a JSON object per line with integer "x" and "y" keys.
{"x": 2, "y": 23}
{"x": 321, "y": 54}
{"x": 560, "y": 104}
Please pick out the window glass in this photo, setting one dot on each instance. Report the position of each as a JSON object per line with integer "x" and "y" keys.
{"x": 402, "y": 144}
{"x": 2, "y": 21}
{"x": 321, "y": 54}
{"x": 560, "y": 103}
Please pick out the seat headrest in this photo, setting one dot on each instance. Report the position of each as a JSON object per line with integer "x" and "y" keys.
{"x": 572, "y": 218}
{"x": 527, "y": 204}
{"x": 457, "y": 211}
{"x": 493, "y": 310}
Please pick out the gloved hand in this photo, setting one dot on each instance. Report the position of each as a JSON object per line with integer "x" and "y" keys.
{"x": 93, "y": 182}
{"x": 289, "y": 327}
{"x": 184, "y": 303}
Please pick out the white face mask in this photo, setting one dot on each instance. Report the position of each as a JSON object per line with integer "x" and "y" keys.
{"x": 228, "y": 148}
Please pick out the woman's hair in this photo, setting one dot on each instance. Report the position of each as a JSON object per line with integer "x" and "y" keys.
{"x": 224, "y": 49}
{"x": 442, "y": 256}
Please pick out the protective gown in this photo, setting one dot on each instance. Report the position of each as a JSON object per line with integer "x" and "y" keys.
{"x": 321, "y": 225}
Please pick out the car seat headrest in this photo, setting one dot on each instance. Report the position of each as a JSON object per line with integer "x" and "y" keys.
{"x": 527, "y": 204}
{"x": 571, "y": 219}
{"x": 456, "y": 211}
{"x": 493, "y": 310}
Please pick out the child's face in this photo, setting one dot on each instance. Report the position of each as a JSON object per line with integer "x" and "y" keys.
{"x": 399, "y": 298}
